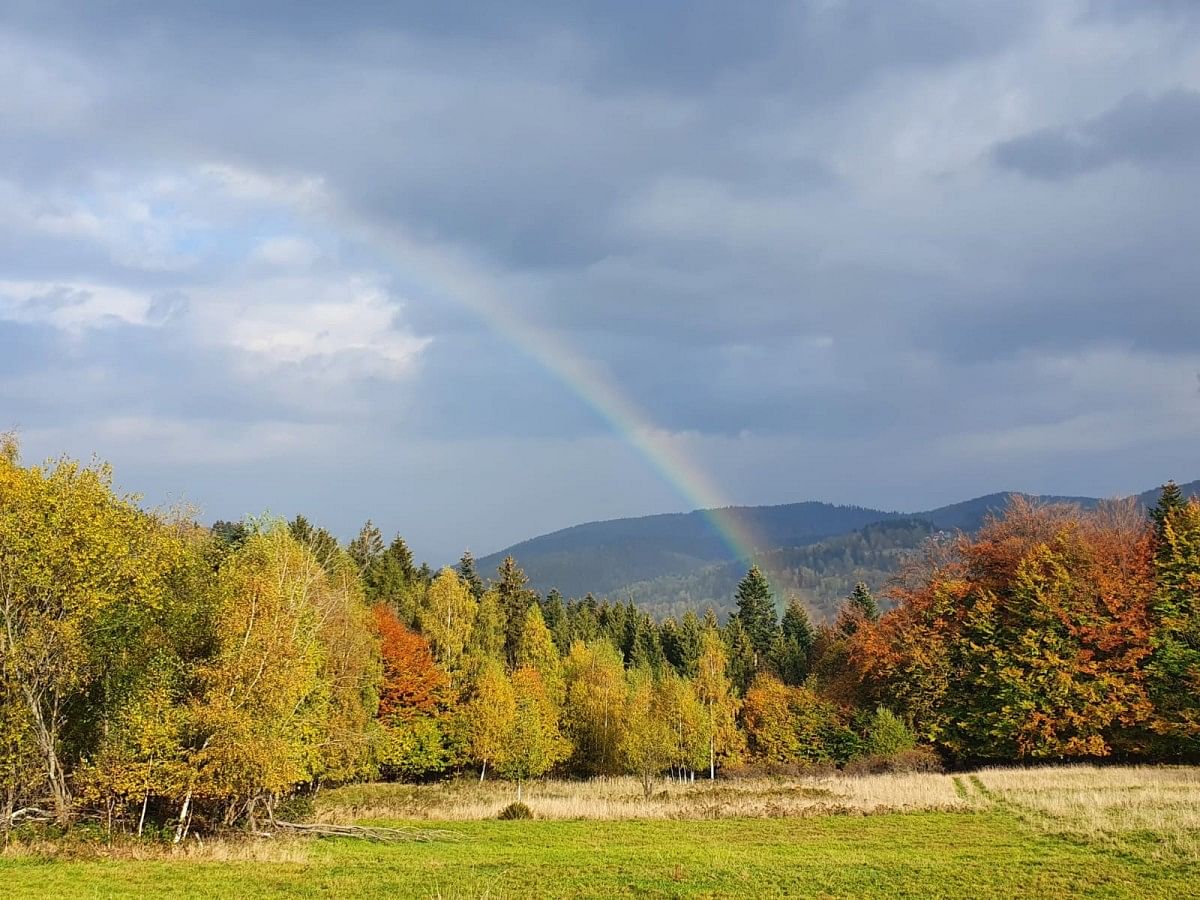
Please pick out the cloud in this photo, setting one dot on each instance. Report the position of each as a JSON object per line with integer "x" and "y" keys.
{"x": 73, "y": 307}
{"x": 1141, "y": 129}
{"x": 883, "y": 253}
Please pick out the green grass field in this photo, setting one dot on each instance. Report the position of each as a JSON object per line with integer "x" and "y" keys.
{"x": 996, "y": 847}
{"x": 897, "y": 855}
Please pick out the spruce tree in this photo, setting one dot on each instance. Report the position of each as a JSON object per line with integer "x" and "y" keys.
{"x": 1170, "y": 502}
{"x": 515, "y": 599}
{"x": 861, "y": 601}
{"x": 1174, "y": 667}
{"x": 403, "y": 558}
{"x": 740, "y": 653}
{"x": 795, "y": 644}
{"x": 554, "y": 613}
{"x": 466, "y": 568}
{"x": 756, "y": 613}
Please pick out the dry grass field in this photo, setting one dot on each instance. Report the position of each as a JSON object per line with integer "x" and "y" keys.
{"x": 612, "y": 799}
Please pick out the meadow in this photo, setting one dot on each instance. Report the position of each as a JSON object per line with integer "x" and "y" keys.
{"x": 1057, "y": 831}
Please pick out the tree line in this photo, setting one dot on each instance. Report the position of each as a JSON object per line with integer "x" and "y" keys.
{"x": 157, "y": 673}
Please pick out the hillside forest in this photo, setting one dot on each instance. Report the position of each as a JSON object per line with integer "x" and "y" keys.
{"x": 159, "y": 674}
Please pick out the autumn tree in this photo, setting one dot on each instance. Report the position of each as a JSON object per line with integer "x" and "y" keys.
{"x": 687, "y": 719}
{"x": 489, "y": 715}
{"x": 447, "y": 618}
{"x": 1028, "y": 640}
{"x": 595, "y": 703}
{"x": 81, "y": 573}
{"x": 533, "y": 744}
{"x": 715, "y": 691}
{"x": 646, "y": 743}
{"x": 321, "y": 543}
{"x": 366, "y": 546}
{"x": 266, "y": 693}
{"x": 412, "y": 682}
{"x": 487, "y": 633}
{"x": 538, "y": 651}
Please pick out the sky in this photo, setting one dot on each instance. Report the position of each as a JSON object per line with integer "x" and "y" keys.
{"x": 381, "y": 259}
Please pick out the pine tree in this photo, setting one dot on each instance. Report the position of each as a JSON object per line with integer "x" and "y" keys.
{"x": 402, "y": 557}
{"x": 466, "y": 569}
{"x": 862, "y": 599}
{"x": 645, "y": 649}
{"x": 515, "y": 600}
{"x": 681, "y": 646}
{"x": 1175, "y": 661}
{"x": 554, "y": 613}
{"x": 859, "y": 607}
{"x": 741, "y": 655}
{"x": 795, "y": 644}
{"x": 1170, "y": 502}
{"x": 756, "y": 613}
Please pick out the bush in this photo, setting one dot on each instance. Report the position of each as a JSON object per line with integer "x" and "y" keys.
{"x": 516, "y": 811}
{"x": 296, "y": 808}
{"x": 917, "y": 759}
{"x": 887, "y": 735}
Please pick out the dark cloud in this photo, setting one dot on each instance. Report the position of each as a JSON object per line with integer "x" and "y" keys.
{"x": 1141, "y": 129}
{"x": 340, "y": 253}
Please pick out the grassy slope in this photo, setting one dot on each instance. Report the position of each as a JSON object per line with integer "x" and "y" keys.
{"x": 987, "y": 854}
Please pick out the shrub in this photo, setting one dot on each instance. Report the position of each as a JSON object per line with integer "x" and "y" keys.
{"x": 516, "y": 811}
{"x": 300, "y": 807}
{"x": 916, "y": 759}
{"x": 887, "y": 735}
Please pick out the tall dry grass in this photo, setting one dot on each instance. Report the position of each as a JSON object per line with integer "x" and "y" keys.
{"x": 1103, "y": 803}
{"x": 623, "y": 798}
{"x": 282, "y": 849}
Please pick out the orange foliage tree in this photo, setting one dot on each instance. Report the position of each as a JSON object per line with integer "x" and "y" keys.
{"x": 1029, "y": 640}
{"x": 412, "y": 682}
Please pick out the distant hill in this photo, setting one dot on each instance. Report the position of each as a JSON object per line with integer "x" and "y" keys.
{"x": 603, "y": 557}
{"x": 673, "y": 562}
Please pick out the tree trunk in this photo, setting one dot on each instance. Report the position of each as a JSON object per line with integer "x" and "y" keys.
{"x": 184, "y": 813}
{"x": 518, "y": 790}
{"x": 142, "y": 818}
{"x": 482, "y": 771}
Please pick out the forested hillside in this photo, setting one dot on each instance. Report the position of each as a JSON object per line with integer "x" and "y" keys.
{"x": 820, "y": 574}
{"x": 815, "y": 551}
{"x": 606, "y": 557}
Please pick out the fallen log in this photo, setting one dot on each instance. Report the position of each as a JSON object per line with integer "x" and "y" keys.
{"x": 30, "y": 814}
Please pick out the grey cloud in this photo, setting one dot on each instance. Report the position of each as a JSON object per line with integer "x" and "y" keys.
{"x": 768, "y": 225}
{"x": 1141, "y": 129}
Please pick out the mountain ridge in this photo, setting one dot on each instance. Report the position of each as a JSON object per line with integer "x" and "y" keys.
{"x": 659, "y": 560}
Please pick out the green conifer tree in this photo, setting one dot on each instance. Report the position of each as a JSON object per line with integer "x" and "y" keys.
{"x": 466, "y": 568}
{"x": 756, "y": 613}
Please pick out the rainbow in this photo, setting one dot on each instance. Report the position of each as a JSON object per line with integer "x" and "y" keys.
{"x": 457, "y": 278}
